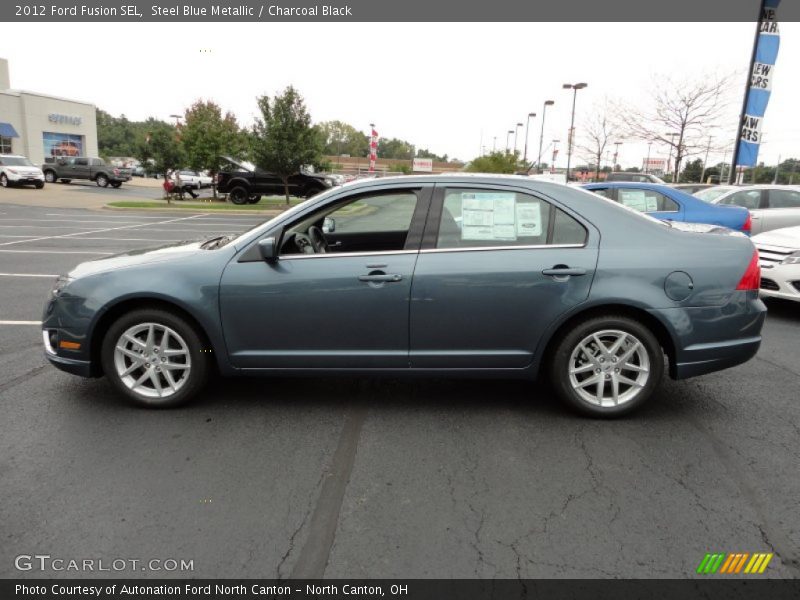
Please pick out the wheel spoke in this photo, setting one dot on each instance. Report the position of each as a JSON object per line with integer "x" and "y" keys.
{"x": 615, "y": 389}
{"x": 601, "y": 386}
{"x": 134, "y": 365}
{"x": 617, "y": 345}
{"x": 173, "y": 352}
{"x": 582, "y": 369}
{"x": 632, "y": 367}
{"x": 134, "y": 340}
{"x": 170, "y": 380}
{"x": 156, "y": 382}
{"x": 587, "y": 353}
{"x": 174, "y": 366}
{"x": 129, "y": 353}
{"x": 623, "y": 358}
{"x": 151, "y": 334}
{"x": 628, "y": 381}
{"x": 589, "y": 381}
{"x": 599, "y": 343}
{"x": 141, "y": 379}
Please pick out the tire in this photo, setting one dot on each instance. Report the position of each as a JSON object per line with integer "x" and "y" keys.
{"x": 50, "y": 176}
{"x": 39, "y": 185}
{"x": 116, "y": 184}
{"x": 101, "y": 180}
{"x": 185, "y": 344}
{"x": 311, "y": 192}
{"x": 254, "y": 199}
{"x": 639, "y": 354}
{"x": 3, "y": 180}
{"x": 64, "y": 180}
{"x": 239, "y": 195}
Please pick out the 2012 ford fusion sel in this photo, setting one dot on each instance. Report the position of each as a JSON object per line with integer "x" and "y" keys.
{"x": 466, "y": 276}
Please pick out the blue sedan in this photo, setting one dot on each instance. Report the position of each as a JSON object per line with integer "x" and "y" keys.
{"x": 669, "y": 204}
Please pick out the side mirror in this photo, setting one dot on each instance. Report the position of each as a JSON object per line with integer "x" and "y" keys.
{"x": 268, "y": 250}
{"x": 328, "y": 225}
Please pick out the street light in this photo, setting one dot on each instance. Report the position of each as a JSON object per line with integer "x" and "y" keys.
{"x": 516, "y": 131}
{"x": 671, "y": 144}
{"x": 616, "y": 153}
{"x": 527, "y": 126}
{"x": 508, "y": 137}
{"x": 177, "y": 119}
{"x": 647, "y": 160}
{"x": 541, "y": 134}
{"x": 494, "y": 144}
{"x": 571, "y": 142}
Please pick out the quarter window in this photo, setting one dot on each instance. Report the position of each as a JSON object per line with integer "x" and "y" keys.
{"x": 784, "y": 199}
{"x": 485, "y": 218}
{"x": 646, "y": 200}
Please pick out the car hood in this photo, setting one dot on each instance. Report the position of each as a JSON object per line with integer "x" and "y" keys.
{"x": 137, "y": 258}
{"x": 788, "y": 237}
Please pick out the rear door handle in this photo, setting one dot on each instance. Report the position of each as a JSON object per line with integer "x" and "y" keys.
{"x": 380, "y": 278}
{"x": 563, "y": 272}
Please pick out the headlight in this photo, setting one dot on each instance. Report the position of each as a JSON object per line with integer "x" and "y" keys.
{"x": 792, "y": 259}
{"x": 60, "y": 284}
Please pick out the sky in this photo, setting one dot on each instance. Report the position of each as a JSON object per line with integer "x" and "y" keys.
{"x": 449, "y": 87}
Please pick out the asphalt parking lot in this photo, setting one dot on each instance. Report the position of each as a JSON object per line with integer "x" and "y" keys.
{"x": 358, "y": 478}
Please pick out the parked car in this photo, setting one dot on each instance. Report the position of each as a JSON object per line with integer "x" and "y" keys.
{"x": 779, "y": 254}
{"x": 65, "y": 169}
{"x": 139, "y": 171}
{"x": 195, "y": 180}
{"x": 634, "y": 177}
{"x": 244, "y": 183}
{"x": 541, "y": 277}
{"x": 692, "y": 188}
{"x": 18, "y": 170}
{"x": 667, "y": 203}
{"x": 772, "y": 206}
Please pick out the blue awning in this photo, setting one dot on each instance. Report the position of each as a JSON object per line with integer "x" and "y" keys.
{"x": 7, "y": 130}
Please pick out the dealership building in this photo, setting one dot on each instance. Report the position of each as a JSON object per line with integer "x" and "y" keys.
{"x": 40, "y": 126}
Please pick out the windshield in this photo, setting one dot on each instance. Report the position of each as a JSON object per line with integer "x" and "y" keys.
{"x": 16, "y": 161}
{"x": 711, "y": 194}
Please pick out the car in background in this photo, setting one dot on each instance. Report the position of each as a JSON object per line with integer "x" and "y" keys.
{"x": 244, "y": 183}
{"x": 195, "y": 180}
{"x": 18, "y": 170}
{"x": 771, "y": 206}
{"x": 64, "y": 169}
{"x": 633, "y": 177}
{"x": 666, "y": 203}
{"x": 138, "y": 171}
{"x": 692, "y": 188}
{"x": 779, "y": 256}
{"x": 375, "y": 278}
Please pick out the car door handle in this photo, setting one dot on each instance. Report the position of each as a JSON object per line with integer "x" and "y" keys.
{"x": 381, "y": 278}
{"x": 559, "y": 271}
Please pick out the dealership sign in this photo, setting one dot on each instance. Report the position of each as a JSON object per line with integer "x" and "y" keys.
{"x": 64, "y": 119}
{"x": 423, "y": 164}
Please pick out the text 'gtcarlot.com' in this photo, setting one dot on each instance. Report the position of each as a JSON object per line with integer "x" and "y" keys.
{"x": 45, "y": 562}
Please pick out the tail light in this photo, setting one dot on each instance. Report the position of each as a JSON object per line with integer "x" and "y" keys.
{"x": 748, "y": 223}
{"x": 751, "y": 280}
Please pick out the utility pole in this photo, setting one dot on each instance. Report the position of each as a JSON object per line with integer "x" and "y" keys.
{"x": 571, "y": 141}
{"x": 705, "y": 162}
{"x": 541, "y": 134}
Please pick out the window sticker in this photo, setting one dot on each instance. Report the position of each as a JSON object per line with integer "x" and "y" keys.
{"x": 488, "y": 216}
{"x": 634, "y": 199}
{"x": 529, "y": 219}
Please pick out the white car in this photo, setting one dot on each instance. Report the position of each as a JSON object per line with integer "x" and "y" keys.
{"x": 771, "y": 206}
{"x": 18, "y": 170}
{"x": 779, "y": 255}
{"x": 195, "y": 180}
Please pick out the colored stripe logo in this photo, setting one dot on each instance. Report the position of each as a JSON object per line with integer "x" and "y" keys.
{"x": 734, "y": 563}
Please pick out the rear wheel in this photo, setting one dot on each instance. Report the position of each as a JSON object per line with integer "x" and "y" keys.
{"x": 3, "y": 180}
{"x": 239, "y": 195}
{"x": 155, "y": 358}
{"x": 255, "y": 199}
{"x": 50, "y": 176}
{"x": 101, "y": 180}
{"x": 607, "y": 366}
{"x": 64, "y": 180}
{"x": 116, "y": 184}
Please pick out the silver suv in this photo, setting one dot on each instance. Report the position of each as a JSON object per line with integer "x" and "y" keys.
{"x": 18, "y": 170}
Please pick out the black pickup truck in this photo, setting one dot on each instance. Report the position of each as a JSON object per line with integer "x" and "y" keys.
{"x": 245, "y": 184}
{"x": 66, "y": 168}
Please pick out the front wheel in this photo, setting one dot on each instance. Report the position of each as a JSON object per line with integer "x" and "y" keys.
{"x": 239, "y": 195}
{"x": 607, "y": 366}
{"x": 155, "y": 358}
{"x": 50, "y": 176}
{"x": 255, "y": 199}
{"x": 3, "y": 180}
{"x": 101, "y": 181}
{"x": 39, "y": 185}
{"x": 116, "y": 184}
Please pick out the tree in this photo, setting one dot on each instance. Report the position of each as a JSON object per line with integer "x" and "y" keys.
{"x": 425, "y": 153}
{"x": 161, "y": 149}
{"x": 207, "y": 136}
{"x": 599, "y": 132}
{"x": 117, "y": 136}
{"x": 342, "y": 138}
{"x": 692, "y": 172}
{"x": 284, "y": 139}
{"x": 681, "y": 115}
{"x": 393, "y": 148}
{"x": 496, "y": 162}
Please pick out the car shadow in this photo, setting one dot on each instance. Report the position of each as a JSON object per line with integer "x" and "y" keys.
{"x": 778, "y": 308}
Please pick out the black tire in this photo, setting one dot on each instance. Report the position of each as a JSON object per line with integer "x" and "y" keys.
{"x": 101, "y": 180}
{"x": 116, "y": 184}
{"x": 198, "y": 352}
{"x": 4, "y": 180}
{"x": 239, "y": 195}
{"x": 39, "y": 185}
{"x": 64, "y": 180}
{"x": 311, "y": 192}
{"x": 255, "y": 199}
{"x": 50, "y": 176}
{"x": 650, "y": 355}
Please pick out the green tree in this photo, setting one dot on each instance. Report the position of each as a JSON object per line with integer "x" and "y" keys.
{"x": 284, "y": 139}
{"x": 425, "y": 153}
{"x": 161, "y": 150}
{"x": 692, "y": 171}
{"x": 342, "y": 138}
{"x": 395, "y": 149}
{"x": 117, "y": 136}
{"x": 496, "y": 162}
{"x": 208, "y": 135}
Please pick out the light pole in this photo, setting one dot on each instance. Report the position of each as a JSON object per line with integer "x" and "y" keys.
{"x": 705, "y": 161}
{"x": 571, "y": 141}
{"x": 541, "y": 134}
{"x": 555, "y": 155}
{"x": 616, "y": 154}
{"x": 494, "y": 144}
{"x": 177, "y": 119}
{"x": 671, "y": 144}
{"x": 508, "y": 138}
{"x": 647, "y": 160}
{"x": 516, "y": 131}
{"x": 527, "y": 126}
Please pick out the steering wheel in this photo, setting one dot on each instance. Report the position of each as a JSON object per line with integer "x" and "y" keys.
{"x": 318, "y": 241}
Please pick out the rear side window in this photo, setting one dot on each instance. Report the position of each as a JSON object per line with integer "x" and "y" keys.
{"x": 477, "y": 218}
{"x": 82, "y": 161}
{"x": 646, "y": 200}
{"x": 748, "y": 199}
{"x": 784, "y": 199}
{"x": 604, "y": 192}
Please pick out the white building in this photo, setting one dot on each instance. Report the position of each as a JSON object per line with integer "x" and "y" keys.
{"x": 40, "y": 126}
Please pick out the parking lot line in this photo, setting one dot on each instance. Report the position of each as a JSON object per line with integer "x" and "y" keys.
{"x": 71, "y": 220}
{"x": 20, "y": 322}
{"x": 27, "y": 275}
{"x": 68, "y": 235}
{"x": 55, "y": 251}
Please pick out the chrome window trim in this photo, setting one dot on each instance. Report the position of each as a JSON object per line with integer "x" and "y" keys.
{"x": 338, "y": 254}
{"x": 485, "y": 248}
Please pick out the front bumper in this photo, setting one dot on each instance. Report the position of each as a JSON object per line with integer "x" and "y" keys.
{"x": 781, "y": 281}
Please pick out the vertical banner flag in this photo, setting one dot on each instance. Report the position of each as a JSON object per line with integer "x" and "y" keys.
{"x": 758, "y": 93}
{"x": 373, "y": 150}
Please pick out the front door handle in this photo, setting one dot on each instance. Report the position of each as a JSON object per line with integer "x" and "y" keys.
{"x": 382, "y": 278}
{"x": 563, "y": 271}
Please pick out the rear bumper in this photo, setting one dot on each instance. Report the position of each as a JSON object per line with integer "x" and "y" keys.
{"x": 707, "y": 358}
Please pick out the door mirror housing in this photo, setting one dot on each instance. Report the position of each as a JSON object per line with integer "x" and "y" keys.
{"x": 328, "y": 225}
{"x": 268, "y": 249}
